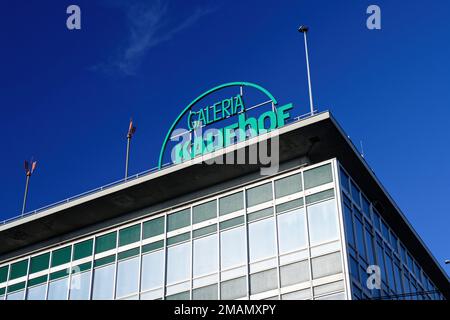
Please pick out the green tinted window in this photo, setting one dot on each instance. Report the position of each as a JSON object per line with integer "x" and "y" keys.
{"x": 38, "y": 280}
{"x": 178, "y": 219}
{"x": 103, "y": 261}
{"x": 83, "y": 249}
{"x": 40, "y": 263}
{"x": 260, "y": 214}
{"x": 231, "y": 223}
{"x": 61, "y": 256}
{"x": 206, "y": 230}
{"x": 233, "y": 202}
{"x": 153, "y": 228}
{"x": 105, "y": 242}
{"x": 3, "y": 274}
{"x": 128, "y": 253}
{"x": 289, "y": 205}
{"x": 59, "y": 274}
{"x": 129, "y": 235}
{"x": 18, "y": 269}
{"x": 259, "y": 194}
{"x": 179, "y": 238}
{"x": 320, "y": 196}
{"x": 318, "y": 176}
{"x": 153, "y": 246}
{"x": 204, "y": 211}
{"x": 288, "y": 185}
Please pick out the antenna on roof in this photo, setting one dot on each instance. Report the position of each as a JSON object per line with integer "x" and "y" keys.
{"x": 30, "y": 167}
{"x": 304, "y": 30}
{"x": 362, "y": 148}
{"x": 131, "y": 131}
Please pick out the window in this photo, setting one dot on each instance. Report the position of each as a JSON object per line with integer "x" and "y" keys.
{"x": 233, "y": 202}
{"x": 369, "y": 245}
{"x": 80, "y": 286}
{"x": 360, "y": 239}
{"x": 294, "y": 273}
{"x": 380, "y": 261}
{"x": 355, "y": 193}
{"x": 288, "y": 185}
{"x": 18, "y": 295}
{"x": 385, "y": 231}
{"x": 178, "y": 263}
{"x": 326, "y": 265}
{"x": 263, "y": 281}
{"x": 37, "y": 292}
{"x": 349, "y": 231}
{"x": 179, "y": 296}
{"x": 153, "y": 228}
{"x": 322, "y": 221}
{"x": 297, "y": 295}
{"x": 319, "y": 196}
{"x": 205, "y": 255}
{"x": 259, "y": 194}
{"x": 205, "y": 293}
{"x": 152, "y": 270}
{"x": 345, "y": 181}
{"x": 233, "y": 247}
{"x": 57, "y": 289}
{"x": 18, "y": 269}
{"x": 129, "y": 235}
{"x": 179, "y": 219}
{"x": 61, "y": 256}
{"x": 365, "y": 206}
{"x": 127, "y": 277}
{"x": 103, "y": 283}
{"x": 398, "y": 277}
{"x": 105, "y": 242}
{"x": 262, "y": 239}
{"x": 390, "y": 271}
{"x": 292, "y": 230}
{"x": 233, "y": 289}
{"x": 204, "y": 211}
{"x": 318, "y": 176}
{"x": 82, "y": 249}
{"x": 40, "y": 262}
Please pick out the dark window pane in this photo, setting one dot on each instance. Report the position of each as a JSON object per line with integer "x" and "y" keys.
{"x": 204, "y": 211}
{"x": 259, "y": 194}
{"x": 61, "y": 256}
{"x": 82, "y": 249}
{"x": 40, "y": 262}
{"x": 18, "y": 269}
{"x": 288, "y": 185}
{"x": 318, "y": 176}
{"x": 178, "y": 219}
{"x": 130, "y": 235}
{"x": 233, "y": 202}
{"x": 153, "y": 228}
{"x": 105, "y": 242}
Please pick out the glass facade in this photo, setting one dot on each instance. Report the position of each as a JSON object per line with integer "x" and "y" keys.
{"x": 278, "y": 238}
{"x": 370, "y": 241}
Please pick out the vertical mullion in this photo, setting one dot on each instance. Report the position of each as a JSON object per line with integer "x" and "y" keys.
{"x": 308, "y": 237}
{"x": 247, "y": 247}
{"x": 91, "y": 278}
{"x": 219, "y": 260}
{"x": 191, "y": 273}
{"x": 141, "y": 257}
{"x": 69, "y": 283}
{"x": 276, "y": 239}
{"x": 165, "y": 258}
{"x": 25, "y": 289}
{"x": 115, "y": 266}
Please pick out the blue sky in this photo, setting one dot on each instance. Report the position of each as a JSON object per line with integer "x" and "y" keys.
{"x": 66, "y": 96}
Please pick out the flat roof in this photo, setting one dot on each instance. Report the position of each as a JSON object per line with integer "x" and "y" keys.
{"x": 318, "y": 137}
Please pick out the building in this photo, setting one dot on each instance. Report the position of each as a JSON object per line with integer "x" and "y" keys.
{"x": 198, "y": 231}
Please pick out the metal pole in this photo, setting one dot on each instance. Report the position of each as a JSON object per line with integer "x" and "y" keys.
{"x": 26, "y": 192}
{"x": 128, "y": 155}
{"x": 304, "y": 30}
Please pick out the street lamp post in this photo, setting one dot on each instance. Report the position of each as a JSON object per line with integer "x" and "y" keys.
{"x": 304, "y": 30}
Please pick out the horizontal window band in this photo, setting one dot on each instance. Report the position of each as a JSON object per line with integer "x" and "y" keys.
{"x": 320, "y": 196}
{"x": 38, "y": 280}
{"x": 16, "y": 287}
{"x": 103, "y": 261}
{"x": 290, "y": 205}
{"x": 204, "y": 231}
{"x": 260, "y": 214}
{"x": 153, "y": 246}
{"x": 81, "y": 267}
{"x": 179, "y": 238}
{"x": 59, "y": 274}
{"x": 231, "y": 223}
{"x": 128, "y": 253}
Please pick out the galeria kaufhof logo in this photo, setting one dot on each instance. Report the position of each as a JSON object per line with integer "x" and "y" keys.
{"x": 223, "y": 116}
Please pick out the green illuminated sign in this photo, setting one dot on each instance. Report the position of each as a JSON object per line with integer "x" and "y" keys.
{"x": 217, "y": 138}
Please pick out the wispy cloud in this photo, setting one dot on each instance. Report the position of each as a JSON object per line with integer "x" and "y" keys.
{"x": 149, "y": 24}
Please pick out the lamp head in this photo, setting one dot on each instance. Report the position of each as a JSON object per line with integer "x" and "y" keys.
{"x": 303, "y": 29}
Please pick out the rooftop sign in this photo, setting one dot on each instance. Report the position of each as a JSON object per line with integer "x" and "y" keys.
{"x": 197, "y": 141}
